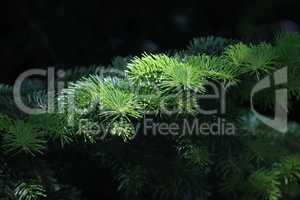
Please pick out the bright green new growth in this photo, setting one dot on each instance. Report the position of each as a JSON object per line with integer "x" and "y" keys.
{"x": 212, "y": 67}
{"x": 116, "y": 103}
{"x": 171, "y": 73}
{"x": 148, "y": 67}
{"x": 237, "y": 54}
{"x": 180, "y": 76}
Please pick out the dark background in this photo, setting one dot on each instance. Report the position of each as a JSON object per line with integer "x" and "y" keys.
{"x": 69, "y": 33}
{"x": 39, "y": 33}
